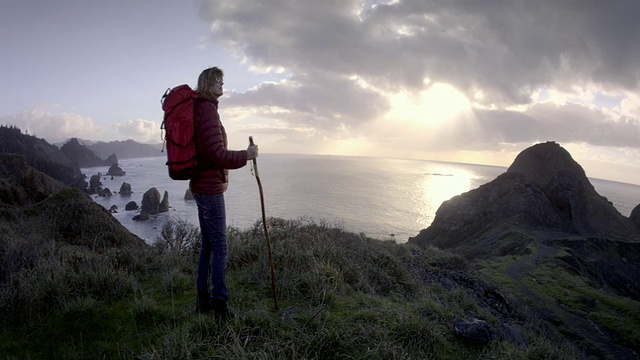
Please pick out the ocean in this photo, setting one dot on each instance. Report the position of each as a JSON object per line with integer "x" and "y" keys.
{"x": 382, "y": 198}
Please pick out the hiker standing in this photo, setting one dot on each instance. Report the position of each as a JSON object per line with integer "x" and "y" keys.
{"x": 208, "y": 187}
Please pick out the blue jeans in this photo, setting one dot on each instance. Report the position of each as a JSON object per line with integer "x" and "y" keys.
{"x": 213, "y": 251}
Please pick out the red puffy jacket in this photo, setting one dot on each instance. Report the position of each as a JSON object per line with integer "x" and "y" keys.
{"x": 214, "y": 159}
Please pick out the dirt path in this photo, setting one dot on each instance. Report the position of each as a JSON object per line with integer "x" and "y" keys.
{"x": 523, "y": 267}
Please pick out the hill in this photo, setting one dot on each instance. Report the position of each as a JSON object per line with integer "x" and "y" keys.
{"x": 542, "y": 230}
{"x": 125, "y": 149}
{"x": 42, "y": 156}
{"x": 84, "y": 156}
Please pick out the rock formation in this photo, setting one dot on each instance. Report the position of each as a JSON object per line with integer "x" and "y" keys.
{"x": 188, "y": 195}
{"x": 545, "y": 231}
{"x": 125, "y": 189}
{"x": 80, "y": 154}
{"x": 143, "y": 216}
{"x": 151, "y": 201}
{"x": 164, "y": 204}
{"x": 111, "y": 160}
{"x": 543, "y": 190}
{"x": 131, "y": 205}
{"x": 94, "y": 184}
{"x": 115, "y": 170}
{"x": 106, "y": 192}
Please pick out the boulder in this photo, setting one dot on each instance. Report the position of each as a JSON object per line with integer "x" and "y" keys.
{"x": 188, "y": 195}
{"x": 143, "y": 216}
{"x": 474, "y": 330}
{"x": 164, "y": 204}
{"x": 113, "y": 209}
{"x": 94, "y": 184}
{"x": 151, "y": 201}
{"x": 115, "y": 170}
{"x": 104, "y": 192}
{"x": 131, "y": 205}
{"x": 125, "y": 189}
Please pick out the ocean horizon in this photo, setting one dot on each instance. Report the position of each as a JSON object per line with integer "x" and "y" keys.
{"x": 379, "y": 197}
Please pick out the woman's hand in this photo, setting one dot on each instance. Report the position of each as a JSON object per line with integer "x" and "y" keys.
{"x": 252, "y": 152}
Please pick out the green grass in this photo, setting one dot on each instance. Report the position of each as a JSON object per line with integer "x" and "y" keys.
{"x": 341, "y": 296}
{"x": 614, "y": 314}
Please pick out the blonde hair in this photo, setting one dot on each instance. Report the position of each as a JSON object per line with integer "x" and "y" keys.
{"x": 206, "y": 79}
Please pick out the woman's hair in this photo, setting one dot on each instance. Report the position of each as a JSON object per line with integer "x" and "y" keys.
{"x": 206, "y": 79}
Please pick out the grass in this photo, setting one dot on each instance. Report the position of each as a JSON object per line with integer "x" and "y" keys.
{"x": 569, "y": 296}
{"x": 613, "y": 314}
{"x": 341, "y": 296}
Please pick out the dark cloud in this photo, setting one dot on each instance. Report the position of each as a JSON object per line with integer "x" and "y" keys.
{"x": 325, "y": 100}
{"x": 505, "y": 50}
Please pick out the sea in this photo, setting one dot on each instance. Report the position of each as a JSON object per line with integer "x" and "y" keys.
{"x": 386, "y": 199}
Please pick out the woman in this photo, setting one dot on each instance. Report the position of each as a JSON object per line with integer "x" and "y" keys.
{"x": 208, "y": 188}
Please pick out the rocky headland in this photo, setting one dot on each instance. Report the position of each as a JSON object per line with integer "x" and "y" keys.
{"x": 84, "y": 157}
{"x": 543, "y": 229}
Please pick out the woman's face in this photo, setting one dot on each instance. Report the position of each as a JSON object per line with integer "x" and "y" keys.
{"x": 216, "y": 87}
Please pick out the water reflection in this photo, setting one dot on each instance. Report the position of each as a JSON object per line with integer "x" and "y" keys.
{"x": 438, "y": 185}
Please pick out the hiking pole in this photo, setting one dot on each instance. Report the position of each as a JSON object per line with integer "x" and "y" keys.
{"x": 264, "y": 224}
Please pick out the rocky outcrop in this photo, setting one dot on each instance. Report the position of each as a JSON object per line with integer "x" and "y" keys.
{"x": 80, "y": 154}
{"x": 125, "y": 189}
{"x": 143, "y": 216}
{"x": 94, "y": 184}
{"x": 164, "y": 204}
{"x": 106, "y": 192}
{"x": 131, "y": 205}
{"x": 115, "y": 170}
{"x": 543, "y": 190}
{"x": 151, "y": 202}
{"x": 112, "y": 159}
{"x": 545, "y": 231}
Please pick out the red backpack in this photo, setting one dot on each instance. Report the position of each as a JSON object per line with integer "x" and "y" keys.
{"x": 178, "y": 105}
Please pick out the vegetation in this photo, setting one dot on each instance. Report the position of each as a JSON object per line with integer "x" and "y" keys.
{"x": 341, "y": 296}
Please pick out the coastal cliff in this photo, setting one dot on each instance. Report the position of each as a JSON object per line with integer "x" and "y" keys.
{"x": 543, "y": 230}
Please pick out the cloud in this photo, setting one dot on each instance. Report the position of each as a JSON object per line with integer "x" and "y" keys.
{"x": 53, "y": 127}
{"x": 531, "y": 70}
{"x": 140, "y": 130}
{"x": 507, "y": 50}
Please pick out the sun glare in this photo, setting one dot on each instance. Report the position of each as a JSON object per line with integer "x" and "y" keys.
{"x": 438, "y": 185}
{"x": 432, "y": 106}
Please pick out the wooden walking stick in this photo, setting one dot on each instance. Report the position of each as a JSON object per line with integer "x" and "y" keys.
{"x": 266, "y": 232}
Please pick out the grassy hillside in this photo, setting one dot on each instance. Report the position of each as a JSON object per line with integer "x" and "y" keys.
{"x": 341, "y": 296}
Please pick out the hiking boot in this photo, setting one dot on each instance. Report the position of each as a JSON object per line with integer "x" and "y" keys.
{"x": 221, "y": 309}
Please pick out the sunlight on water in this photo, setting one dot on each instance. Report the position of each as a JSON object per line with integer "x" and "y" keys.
{"x": 382, "y": 198}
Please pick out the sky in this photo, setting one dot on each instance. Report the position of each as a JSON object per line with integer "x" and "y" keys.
{"x": 463, "y": 81}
